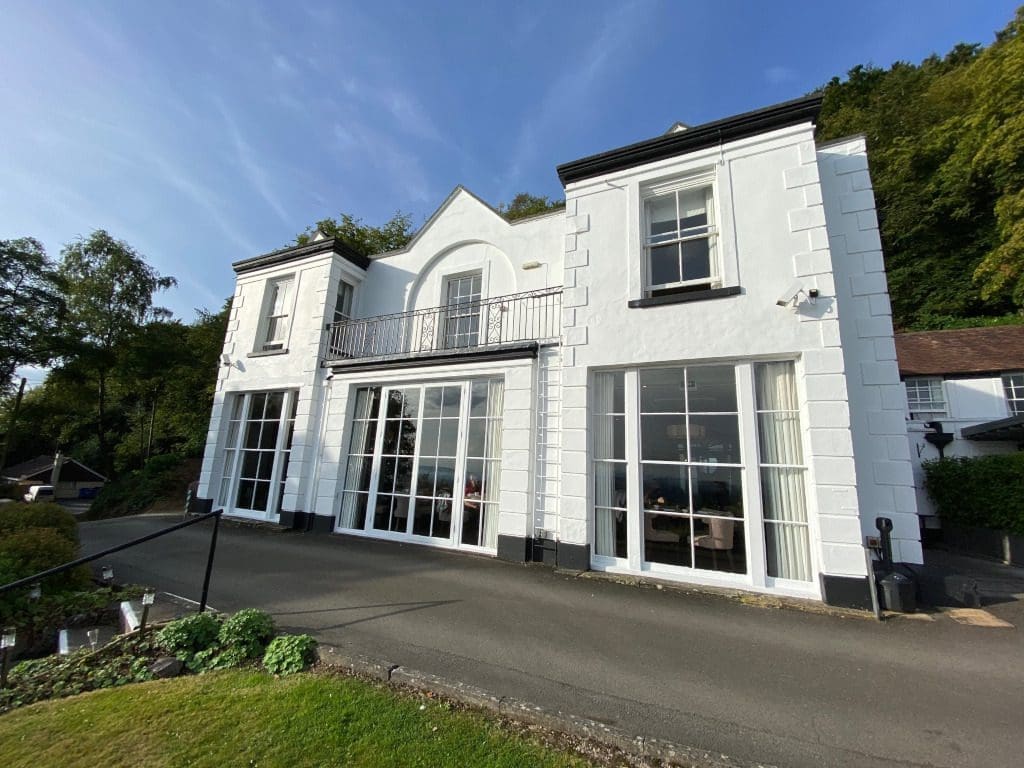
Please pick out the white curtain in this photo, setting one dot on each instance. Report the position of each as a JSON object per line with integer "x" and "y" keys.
{"x": 604, "y": 473}
{"x": 782, "y": 487}
{"x": 492, "y": 450}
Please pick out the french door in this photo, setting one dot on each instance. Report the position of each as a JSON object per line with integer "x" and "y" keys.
{"x": 424, "y": 462}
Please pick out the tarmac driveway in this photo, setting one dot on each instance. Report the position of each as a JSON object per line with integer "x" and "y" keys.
{"x": 761, "y": 685}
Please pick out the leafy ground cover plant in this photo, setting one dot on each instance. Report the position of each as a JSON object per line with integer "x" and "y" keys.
{"x": 288, "y": 654}
{"x": 191, "y": 638}
{"x": 126, "y": 660}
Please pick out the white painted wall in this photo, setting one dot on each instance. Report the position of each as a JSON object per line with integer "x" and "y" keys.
{"x": 877, "y": 400}
{"x": 779, "y": 219}
{"x": 464, "y": 234}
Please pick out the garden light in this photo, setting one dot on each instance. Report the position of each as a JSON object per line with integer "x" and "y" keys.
{"x": 147, "y": 600}
{"x": 108, "y": 573}
{"x": 35, "y": 591}
{"x": 8, "y": 638}
{"x": 94, "y": 637}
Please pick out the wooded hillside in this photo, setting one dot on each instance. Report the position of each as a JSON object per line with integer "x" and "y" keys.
{"x": 946, "y": 149}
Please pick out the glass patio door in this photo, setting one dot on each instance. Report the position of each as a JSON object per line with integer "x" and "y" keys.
{"x": 428, "y": 465}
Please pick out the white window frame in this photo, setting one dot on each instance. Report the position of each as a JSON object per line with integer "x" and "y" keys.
{"x": 756, "y": 577}
{"x": 454, "y": 541}
{"x": 275, "y": 310}
{"x": 340, "y": 315}
{"x": 446, "y": 282}
{"x": 936, "y": 408}
{"x": 231, "y": 473}
{"x": 1013, "y": 389}
{"x": 694, "y": 182}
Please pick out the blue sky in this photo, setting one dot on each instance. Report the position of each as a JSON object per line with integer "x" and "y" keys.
{"x": 203, "y": 133}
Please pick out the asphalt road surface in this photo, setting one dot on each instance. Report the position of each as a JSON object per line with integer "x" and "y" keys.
{"x": 760, "y": 685}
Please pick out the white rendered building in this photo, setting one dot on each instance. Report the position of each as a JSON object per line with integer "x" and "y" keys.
{"x": 689, "y": 373}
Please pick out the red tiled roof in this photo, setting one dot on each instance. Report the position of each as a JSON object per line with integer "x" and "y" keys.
{"x": 968, "y": 350}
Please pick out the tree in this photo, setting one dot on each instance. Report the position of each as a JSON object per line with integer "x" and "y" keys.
{"x": 524, "y": 205}
{"x": 946, "y": 143}
{"x": 30, "y": 306}
{"x": 395, "y": 233}
{"x": 108, "y": 291}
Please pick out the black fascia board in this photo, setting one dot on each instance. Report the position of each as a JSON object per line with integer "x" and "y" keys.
{"x": 284, "y": 255}
{"x": 692, "y": 139}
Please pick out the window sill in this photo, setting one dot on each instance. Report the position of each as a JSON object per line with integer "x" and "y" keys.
{"x": 268, "y": 353}
{"x": 681, "y": 298}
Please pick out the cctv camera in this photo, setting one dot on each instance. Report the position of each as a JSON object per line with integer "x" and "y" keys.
{"x": 789, "y": 295}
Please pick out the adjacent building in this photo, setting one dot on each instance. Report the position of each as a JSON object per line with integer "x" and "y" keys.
{"x": 965, "y": 396}
{"x": 688, "y": 373}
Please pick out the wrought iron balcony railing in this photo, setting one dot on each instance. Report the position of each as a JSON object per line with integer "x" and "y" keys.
{"x": 459, "y": 327}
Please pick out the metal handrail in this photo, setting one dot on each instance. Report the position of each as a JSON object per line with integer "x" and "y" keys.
{"x": 456, "y": 327}
{"x": 216, "y": 514}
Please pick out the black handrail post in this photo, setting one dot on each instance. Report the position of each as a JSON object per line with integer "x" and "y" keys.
{"x": 209, "y": 563}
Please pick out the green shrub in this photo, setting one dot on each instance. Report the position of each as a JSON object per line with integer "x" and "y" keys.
{"x": 135, "y": 491}
{"x": 28, "y": 551}
{"x": 245, "y": 635}
{"x": 18, "y": 517}
{"x": 289, "y": 653}
{"x": 985, "y": 491}
{"x": 188, "y": 637}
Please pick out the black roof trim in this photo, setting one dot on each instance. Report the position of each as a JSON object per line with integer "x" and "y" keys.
{"x": 699, "y": 137}
{"x": 292, "y": 252}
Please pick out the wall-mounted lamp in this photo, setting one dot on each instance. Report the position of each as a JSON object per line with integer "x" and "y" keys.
{"x": 35, "y": 591}
{"x": 531, "y": 264}
{"x": 225, "y": 360}
{"x": 107, "y": 572}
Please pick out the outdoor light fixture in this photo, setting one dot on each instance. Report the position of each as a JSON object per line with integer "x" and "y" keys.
{"x": 531, "y": 264}
{"x": 35, "y": 591}
{"x": 108, "y": 573}
{"x": 225, "y": 360}
{"x": 147, "y": 600}
{"x": 94, "y": 637}
{"x": 8, "y": 638}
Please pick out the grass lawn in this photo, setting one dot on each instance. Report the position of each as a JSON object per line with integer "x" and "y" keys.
{"x": 246, "y": 718}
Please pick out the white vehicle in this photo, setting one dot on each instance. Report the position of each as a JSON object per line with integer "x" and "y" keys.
{"x": 39, "y": 493}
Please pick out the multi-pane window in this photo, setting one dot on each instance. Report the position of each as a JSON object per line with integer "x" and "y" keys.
{"x": 483, "y": 464}
{"x": 462, "y": 316}
{"x": 256, "y": 452}
{"x": 358, "y": 473}
{"x": 276, "y": 308}
{"x": 438, "y": 449}
{"x": 343, "y": 302}
{"x": 610, "y": 488}
{"x": 1013, "y": 386}
{"x": 690, "y": 468}
{"x": 679, "y": 241}
{"x": 925, "y": 399}
{"x": 784, "y": 506}
{"x": 394, "y": 479}
{"x": 437, "y": 453}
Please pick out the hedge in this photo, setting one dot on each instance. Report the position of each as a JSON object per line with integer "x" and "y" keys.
{"x": 985, "y": 491}
{"x": 18, "y": 517}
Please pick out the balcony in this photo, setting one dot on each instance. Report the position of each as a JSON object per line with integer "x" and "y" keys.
{"x": 502, "y": 324}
